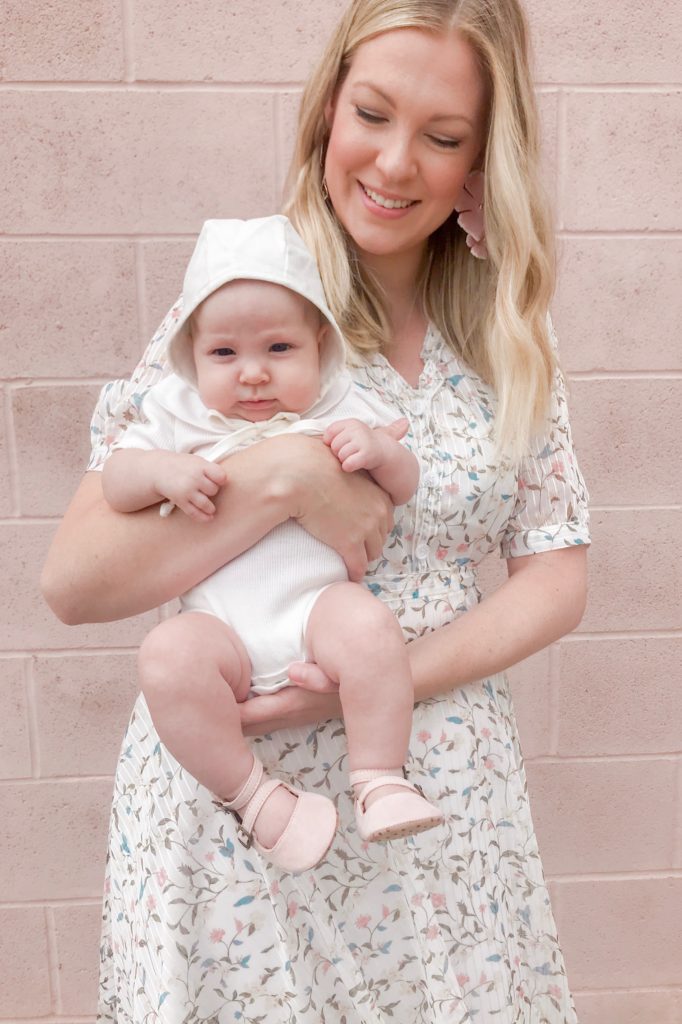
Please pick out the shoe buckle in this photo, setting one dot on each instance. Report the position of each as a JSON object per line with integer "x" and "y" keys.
{"x": 243, "y": 836}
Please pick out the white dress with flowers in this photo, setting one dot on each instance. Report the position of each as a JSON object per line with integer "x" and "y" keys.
{"x": 449, "y": 926}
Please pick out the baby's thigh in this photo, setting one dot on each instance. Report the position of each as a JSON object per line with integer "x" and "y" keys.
{"x": 193, "y": 648}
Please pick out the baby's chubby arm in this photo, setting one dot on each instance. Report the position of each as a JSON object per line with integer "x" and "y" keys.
{"x": 379, "y": 451}
{"x": 134, "y": 478}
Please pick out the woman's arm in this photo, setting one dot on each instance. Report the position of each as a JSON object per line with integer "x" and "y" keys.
{"x": 543, "y": 599}
{"x": 106, "y": 565}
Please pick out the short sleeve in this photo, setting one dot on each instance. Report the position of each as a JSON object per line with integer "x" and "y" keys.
{"x": 550, "y": 509}
{"x": 120, "y": 401}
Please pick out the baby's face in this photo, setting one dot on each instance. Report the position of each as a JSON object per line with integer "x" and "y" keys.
{"x": 257, "y": 350}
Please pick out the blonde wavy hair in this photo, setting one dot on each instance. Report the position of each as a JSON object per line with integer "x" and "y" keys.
{"x": 494, "y": 312}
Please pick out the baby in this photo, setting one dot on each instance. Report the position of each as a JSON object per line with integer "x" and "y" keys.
{"x": 255, "y": 353}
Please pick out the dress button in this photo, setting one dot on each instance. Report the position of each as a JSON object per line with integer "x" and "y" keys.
{"x": 418, "y": 405}
{"x": 430, "y": 478}
{"x": 422, "y": 550}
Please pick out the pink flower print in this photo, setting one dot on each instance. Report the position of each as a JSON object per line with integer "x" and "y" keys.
{"x": 292, "y": 907}
{"x": 217, "y": 935}
{"x": 239, "y": 925}
{"x": 151, "y": 902}
{"x": 557, "y": 467}
{"x": 437, "y": 900}
{"x": 210, "y": 857}
{"x": 488, "y": 762}
{"x": 432, "y": 931}
{"x": 462, "y": 547}
{"x": 385, "y": 911}
{"x": 362, "y": 921}
{"x": 365, "y": 847}
{"x": 462, "y": 979}
{"x": 486, "y": 733}
{"x": 325, "y": 966}
{"x": 274, "y": 888}
{"x": 521, "y": 483}
{"x": 161, "y": 876}
{"x": 517, "y": 961}
{"x": 554, "y": 990}
{"x": 441, "y": 553}
{"x": 423, "y": 736}
{"x": 443, "y": 737}
{"x": 482, "y": 980}
{"x": 452, "y": 489}
{"x": 417, "y": 900}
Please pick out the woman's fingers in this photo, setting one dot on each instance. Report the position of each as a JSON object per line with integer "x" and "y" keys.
{"x": 309, "y": 676}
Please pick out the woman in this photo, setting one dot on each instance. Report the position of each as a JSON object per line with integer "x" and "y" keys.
{"x": 409, "y": 100}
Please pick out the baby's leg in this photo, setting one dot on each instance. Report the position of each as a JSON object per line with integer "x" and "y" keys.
{"x": 356, "y": 640}
{"x": 194, "y": 670}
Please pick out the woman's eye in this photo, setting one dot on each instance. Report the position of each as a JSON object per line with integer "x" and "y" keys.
{"x": 367, "y": 115}
{"x": 280, "y": 346}
{"x": 445, "y": 143}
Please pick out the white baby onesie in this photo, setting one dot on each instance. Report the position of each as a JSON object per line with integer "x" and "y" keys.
{"x": 267, "y": 593}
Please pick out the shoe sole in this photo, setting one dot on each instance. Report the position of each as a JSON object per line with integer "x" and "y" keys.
{"x": 407, "y": 828}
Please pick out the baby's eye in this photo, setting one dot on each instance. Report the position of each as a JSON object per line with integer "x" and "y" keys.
{"x": 367, "y": 115}
{"x": 280, "y": 346}
{"x": 222, "y": 352}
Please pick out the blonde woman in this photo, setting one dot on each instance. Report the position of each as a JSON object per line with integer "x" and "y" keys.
{"x": 412, "y": 100}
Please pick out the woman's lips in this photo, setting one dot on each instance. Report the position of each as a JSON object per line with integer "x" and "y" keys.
{"x": 374, "y": 201}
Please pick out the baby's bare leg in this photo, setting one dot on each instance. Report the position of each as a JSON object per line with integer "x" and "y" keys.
{"x": 356, "y": 640}
{"x": 194, "y": 670}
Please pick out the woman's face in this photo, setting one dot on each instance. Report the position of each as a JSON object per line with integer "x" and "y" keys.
{"x": 406, "y": 127}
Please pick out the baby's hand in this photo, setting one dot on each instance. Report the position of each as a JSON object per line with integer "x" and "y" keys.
{"x": 355, "y": 445}
{"x": 190, "y": 482}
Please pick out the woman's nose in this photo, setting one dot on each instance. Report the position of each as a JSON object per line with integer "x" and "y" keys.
{"x": 395, "y": 159}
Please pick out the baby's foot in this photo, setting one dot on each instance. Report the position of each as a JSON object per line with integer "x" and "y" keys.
{"x": 274, "y": 816}
{"x": 376, "y": 794}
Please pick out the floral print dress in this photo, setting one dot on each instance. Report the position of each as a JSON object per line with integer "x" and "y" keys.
{"x": 449, "y": 926}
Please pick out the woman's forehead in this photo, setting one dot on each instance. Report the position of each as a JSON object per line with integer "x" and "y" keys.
{"x": 439, "y": 70}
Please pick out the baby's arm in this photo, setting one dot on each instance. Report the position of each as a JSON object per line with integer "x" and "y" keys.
{"x": 133, "y": 479}
{"x": 379, "y": 451}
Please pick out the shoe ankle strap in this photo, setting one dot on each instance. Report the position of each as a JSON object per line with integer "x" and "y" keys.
{"x": 361, "y": 775}
{"x": 249, "y": 788}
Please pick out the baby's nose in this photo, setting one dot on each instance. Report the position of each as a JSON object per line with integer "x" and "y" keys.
{"x": 254, "y": 372}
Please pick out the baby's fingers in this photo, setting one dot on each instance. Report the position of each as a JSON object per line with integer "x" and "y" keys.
{"x": 216, "y": 474}
{"x": 198, "y": 507}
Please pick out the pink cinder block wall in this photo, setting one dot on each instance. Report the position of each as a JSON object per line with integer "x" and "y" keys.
{"x": 124, "y": 125}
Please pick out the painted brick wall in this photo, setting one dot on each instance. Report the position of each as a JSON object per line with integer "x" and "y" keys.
{"x": 124, "y": 125}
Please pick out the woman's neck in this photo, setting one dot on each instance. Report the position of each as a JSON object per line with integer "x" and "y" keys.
{"x": 398, "y": 276}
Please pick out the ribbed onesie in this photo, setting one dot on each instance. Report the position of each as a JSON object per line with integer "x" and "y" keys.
{"x": 267, "y": 593}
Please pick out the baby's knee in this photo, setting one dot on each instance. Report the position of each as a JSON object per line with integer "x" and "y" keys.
{"x": 167, "y": 658}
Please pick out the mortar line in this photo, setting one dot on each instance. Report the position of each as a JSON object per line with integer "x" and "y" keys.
{"x": 32, "y": 717}
{"x": 554, "y": 683}
{"x": 141, "y": 289}
{"x": 677, "y": 831}
{"x": 656, "y": 874}
{"x": 242, "y": 86}
{"x": 53, "y": 962}
{"x": 621, "y": 234}
{"x": 561, "y": 132}
{"x": 12, "y": 453}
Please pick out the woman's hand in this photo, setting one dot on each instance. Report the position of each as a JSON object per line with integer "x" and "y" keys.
{"x": 287, "y": 709}
{"x": 349, "y": 512}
